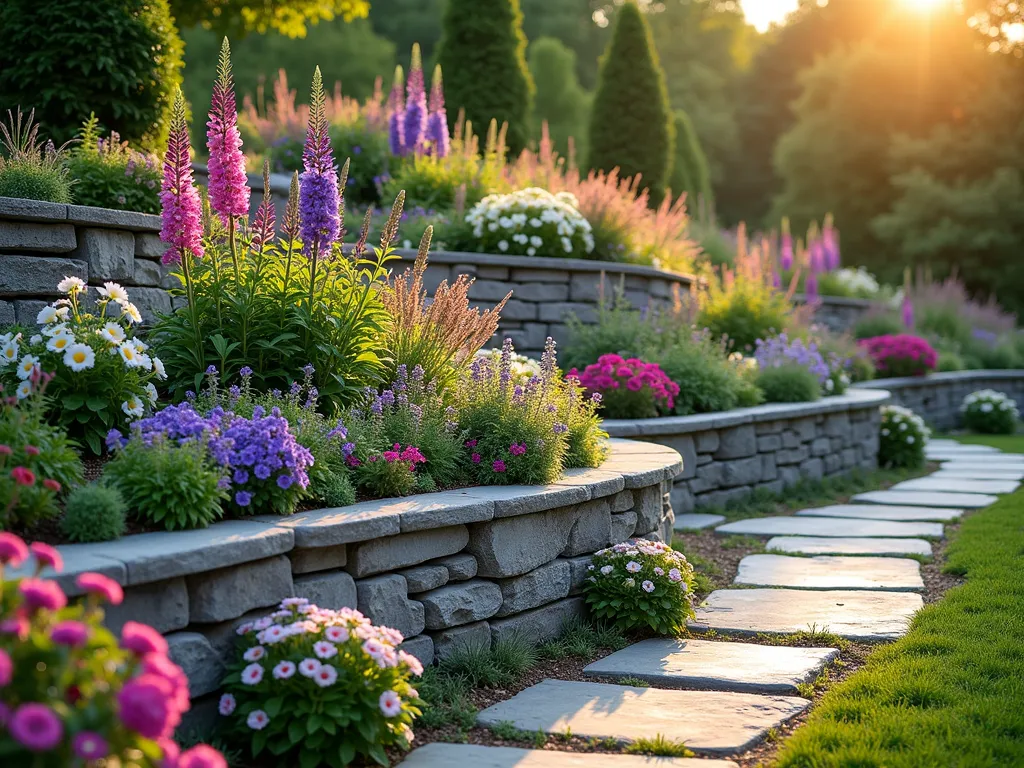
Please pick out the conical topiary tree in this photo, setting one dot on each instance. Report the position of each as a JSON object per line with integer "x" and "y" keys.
{"x": 482, "y": 52}
{"x": 690, "y": 166}
{"x": 630, "y": 122}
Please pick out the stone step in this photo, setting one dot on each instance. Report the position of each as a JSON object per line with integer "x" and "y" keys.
{"x": 884, "y": 512}
{"x": 998, "y": 462}
{"x": 709, "y": 722}
{"x": 697, "y": 522}
{"x": 945, "y": 484}
{"x": 889, "y": 574}
{"x": 942, "y": 442}
{"x": 959, "y": 450}
{"x": 860, "y": 615}
{"x": 439, "y": 755}
{"x": 718, "y": 666}
{"x": 830, "y": 526}
{"x": 971, "y": 472}
{"x": 927, "y": 499}
{"x": 821, "y": 545}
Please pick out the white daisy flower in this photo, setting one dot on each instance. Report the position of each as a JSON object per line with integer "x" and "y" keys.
{"x": 114, "y": 292}
{"x": 112, "y": 332}
{"x": 36, "y": 339}
{"x": 130, "y": 355}
{"x": 27, "y": 367}
{"x": 131, "y": 312}
{"x": 71, "y": 285}
{"x": 61, "y": 341}
{"x": 503, "y": 245}
{"x": 63, "y": 312}
{"x": 132, "y": 407}
{"x": 79, "y": 357}
{"x": 158, "y": 367}
{"x": 53, "y": 330}
{"x": 9, "y": 352}
{"x": 47, "y": 315}
{"x": 24, "y": 390}
{"x": 151, "y": 393}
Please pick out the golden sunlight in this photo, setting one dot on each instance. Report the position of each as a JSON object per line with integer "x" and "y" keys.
{"x": 926, "y": 6}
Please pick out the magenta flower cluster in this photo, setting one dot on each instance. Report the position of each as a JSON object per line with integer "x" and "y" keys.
{"x": 228, "y": 188}
{"x": 900, "y": 354}
{"x": 410, "y": 454}
{"x": 612, "y": 372}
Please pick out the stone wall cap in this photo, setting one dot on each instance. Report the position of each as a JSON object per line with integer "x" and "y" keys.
{"x": 938, "y": 378}
{"x": 838, "y": 301}
{"x": 114, "y": 219}
{"x": 31, "y": 210}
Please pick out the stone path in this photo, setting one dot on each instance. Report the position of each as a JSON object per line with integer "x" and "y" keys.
{"x": 831, "y": 572}
{"x": 697, "y": 522}
{"x": 439, "y": 755}
{"x": 982, "y": 459}
{"x": 829, "y": 526}
{"x": 927, "y": 499}
{"x": 971, "y": 472}
{"x": 933, "y": 483}
{"x": 883, "y": 512}
{"x": 820, "y": 545}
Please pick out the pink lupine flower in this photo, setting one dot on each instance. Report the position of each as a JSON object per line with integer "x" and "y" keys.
{"x": 182, "y": 211}
{"x": 414, "y": 120}
{"x": 437, "y": 121}
{"x": 229, "y": 193}
{"x": 6, "y": 668}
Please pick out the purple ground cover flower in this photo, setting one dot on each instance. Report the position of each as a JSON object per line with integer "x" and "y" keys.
{"x": 780, "y": 350}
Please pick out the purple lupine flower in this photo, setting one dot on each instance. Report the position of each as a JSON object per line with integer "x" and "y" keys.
{"x": 229, "y": 193}
{"x": 786, "y": 248}
{"x": 415, "y": 118}
{"x": 811, "y": 288}
{"x": 319, "y": 218}
{"x": 817, "y": 256}
{"x": 907, "y": 311}
{"x": 396, "y": 116}
{"x": 437, "y": 121}
{"x": 182, "y": 212}
{"x": 830, "y": 244}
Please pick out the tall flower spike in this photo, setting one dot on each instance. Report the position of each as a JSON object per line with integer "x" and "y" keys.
{"x": 396, "y": 116}
{"x": 437, "y": 122}
{"x": 830, "y": 243}
{"x": 786, "y": 253}
{"x": 319, "y": 202}
{"x": 263, "y": 224}
{"x": 290, "y": 226}
{"x": 182, "y": 228}
{"x": 415, "y": 105}
{"x": 364, "y": 233}
{"x": 229, "y": 193}
{"x": 390, "y": 231}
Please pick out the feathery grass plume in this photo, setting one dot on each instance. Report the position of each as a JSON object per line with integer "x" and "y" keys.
{"x": 182, "y": 228}
{"x": 290, "y": 225}
{"x": 441, "y": 336}
{"x": 415, "y": 104}
{"x": 319, "y": 201}
{"x": 396, "y": 115}
{"x": 390, "y": 230}
{"x": 437, "y": 121}
{"x": 31, "y": 168}
{"x": 264, "y": 223}
{"x": 229, "y": 192}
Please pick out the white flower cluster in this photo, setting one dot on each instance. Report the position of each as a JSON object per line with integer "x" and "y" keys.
{"x": 523, "y": 367}
{"x": 988, "y": 401}
{"x": 902, "y": 423}
{"x": 532, "y": 222}
{"x": 858, "y": 281}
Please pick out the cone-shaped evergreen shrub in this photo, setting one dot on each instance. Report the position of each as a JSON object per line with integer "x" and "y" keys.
{"x": 482, "y": 52}
{"x": 690, "y": 166}
{"x": 630, "y": 122}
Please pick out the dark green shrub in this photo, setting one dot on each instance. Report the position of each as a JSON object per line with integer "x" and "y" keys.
{"x": 559, "y": 101}
{"x": 902, "y": 437}
{"x": 690, "y": 166}
{"x": 94, "y": 512}
{"x": 109, "y": 174}
{"x": 708, "y": 381}
{"x": 482, "y": 52}
{"x": 990, "y": 412}
{"x": 28, "y": 168}
{"x": 878, "y": 324}
{"x": 788, "y": 384}
{"x": 118, "y": 58}
{"x": 630, "y": 123}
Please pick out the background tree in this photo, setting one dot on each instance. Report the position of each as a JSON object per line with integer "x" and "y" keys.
{"x": 405, "y": 22}
{"x": 572, "y": 23}
{"x": 236, "y": 18}
{"x": 690, "y": 167}
{"x": 630, "y": 123}
{"x": 482, "y": 52}
{"x": 559, "y": 98}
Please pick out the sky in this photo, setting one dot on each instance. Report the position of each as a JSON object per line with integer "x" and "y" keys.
{"x": 761, "y": 13}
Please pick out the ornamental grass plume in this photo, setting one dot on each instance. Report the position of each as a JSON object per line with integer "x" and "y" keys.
{"x": 415, "y": 118}
{"x": 182, "y": 228}
{"x": 437, "y": 121}
{"x": 229, "y": 193}
{"x": 319, "y": 199}
{"x": 396, "y": 116}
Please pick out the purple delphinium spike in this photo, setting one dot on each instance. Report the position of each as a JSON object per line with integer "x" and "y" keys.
{"x": 830, "y": 244}
{"x": 817, "y": 252}
{"x": 907, "y": 310}
{"x": 182, "y": 228}
{"x": 319, "y": 222}
{"x": 437, "y": 121}
{"x": 415, "y": 120}
{"x": 229, "y": 194}
{"x": 263, "y": 223}
{"x": 396, "y": 116}
{"x": 811, "y": 287}
{"x": 786, "y": 252}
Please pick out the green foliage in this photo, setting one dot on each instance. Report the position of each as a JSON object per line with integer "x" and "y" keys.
{"x": 583, "y": 639}
{"x": 708, "y": 380}
{"x": 619, "y": 329}
{"x": 120, "y": 59}
{"x": 659, "y": 745}
{"x": 902, "y": 438}
{"x": 109, "y": 174}
{"x": 788, "y": 384}
{"x": 560, "y": 101}
{"x": 630, "y": 123}
{"x": 486, "y": 667}
{"x": 742, "y": 308}
{"x": 482, "y": 52}
{"x": 990, "y": 412}
{"x": 586, "y": 446}
{"x": 166, "y": 485}
{"x": 28, "y": 169}
{"x": 690, "y": 166}
{"x": 641, "y": 585}
{"x": 875, "y": 324}
{"x": 292, "y": 18}
{"x": 94, "y": 512}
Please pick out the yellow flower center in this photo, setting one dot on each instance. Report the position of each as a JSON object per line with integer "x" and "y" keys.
{"x": 79, "y": 356}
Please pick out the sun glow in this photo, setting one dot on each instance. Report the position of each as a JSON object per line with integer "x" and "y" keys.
{"x": 926, "y": 6}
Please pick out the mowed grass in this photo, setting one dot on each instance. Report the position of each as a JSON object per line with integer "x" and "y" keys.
{"x": 950, "y": 693}
{"x": 1008, "y": 443}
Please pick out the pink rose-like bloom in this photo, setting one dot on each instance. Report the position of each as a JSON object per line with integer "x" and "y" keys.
{"x": 415, "y": 665}
{"x": 12, "y": 549}
{"x": 39, "y": 593}
{"x": 23, "y": 476}
{"x": 102, "y": 586}
{"x": 257, "y": 720}
{"x": 283, "y": 670}
{"x": 6, "y": 668}
{"x": 252, "y": 674}
{"x": 227, "y": 704}
{"x": 324, "y": 649}
{"x": 202, "y": 756}
{"x": 51, "y": 485}
{"x": 36, "y": 727}
{"x": 373, "y": 647}
{"x": 171, "y": 752}
{"x": 71, "y": 633}
{"x": 5, "y": 450}
{"x": 142, "y": 639}
{"x": 144, "y": 705}
{"x": 47, "y": 556}
{"x": 90, "y": 745}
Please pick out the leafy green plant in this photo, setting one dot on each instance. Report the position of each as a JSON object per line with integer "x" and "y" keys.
{"x": 109, "y": 174}
{"x": 641, "y": 585}
{"x": 94, "y": 512}
{"x": 30, "y": 168}
{"x": 791, "y": 383}
{"x": 902, "y": 438}
{"x": 167, "y": 485}
{"x": 660, "y": 745}
{"x": 709, "y": 379}
{"x": 990, "y": 412}
{"x": 878, "y": 324}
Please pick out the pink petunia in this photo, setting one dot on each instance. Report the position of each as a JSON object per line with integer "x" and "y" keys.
{"x": 102, "y": 586}
{"x": 308, "y": 667}
{"x": 12, "y": 550}
{"x": 325, "y": 676}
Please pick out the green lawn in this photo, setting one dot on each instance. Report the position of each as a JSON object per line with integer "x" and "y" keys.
{"x": 1008, "y": 443}
{"x": 950, "y": 693}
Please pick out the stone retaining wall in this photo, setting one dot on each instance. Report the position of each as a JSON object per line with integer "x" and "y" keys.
{"x": 838, "y": 313}
{"x": 42, "y": 242}
{"x": 466, "y": 566}
{"x": 937, "y": 397}
{"x": 727, "y": 455}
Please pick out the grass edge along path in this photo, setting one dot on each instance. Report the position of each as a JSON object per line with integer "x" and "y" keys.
{"x": 951, "y": 692}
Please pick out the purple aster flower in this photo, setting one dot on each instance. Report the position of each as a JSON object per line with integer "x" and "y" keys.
{"x": 240, "y": 476}
{"x": 36, "y": 727}
{"x": 229, "y": 193}
{"x": 319, "y": 201}
{"x": 415, "y": 118}
{"x": 907, "y": 311}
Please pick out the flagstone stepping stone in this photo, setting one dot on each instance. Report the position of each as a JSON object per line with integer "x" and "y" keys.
{"x": 932, "y": 483}
{"x": 719, "y": 666}
{"x": 697, "y": 522}
{"x": 819, "y": 545}
{"x": 884, "y": 512}
{"x": 962, "y": 449}
{"x": 830, "y": 526}
{"x": 1002, "y": 462}
{"x": 971, "y": 472}
{"x": 861, "y": 615}
{"x": 712, "y": 722}
{"x": 941, "y": 442}
{"x": 927, "y": 499}
{"x": 440, "y": 755}
{"x": 830, "y": 572}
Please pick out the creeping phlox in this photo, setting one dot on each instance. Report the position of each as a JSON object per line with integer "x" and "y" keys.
{"x": 629, "y": 389}
{"x": 641, "y": 584}
{"x": 990, "y": 412}
{"x": 531, "y": 222}
{"x": 902, "y": 437}
{"x": 320, "y": 686}
{"x": 99, "y": 367}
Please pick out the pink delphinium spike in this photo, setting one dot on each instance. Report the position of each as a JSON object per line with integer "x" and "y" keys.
{"x": 265, "y": 220}
{"x": 229, "y": 193}
{"x": 182, "y": 212}
{"x": 396, "y": 116}
{"x": 319, "y": 201}
{"x": 415, "y": 105}
{"x": 437, "y": 122}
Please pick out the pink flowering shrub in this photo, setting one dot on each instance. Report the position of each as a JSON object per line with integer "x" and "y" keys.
{"x": 391, "y": 473}
{"x": 629, "y": 389}
{"x": 315, "y": 687}
{"x": 71, "y": 694}
{"x": 641, "y": 584}
{"x": 900, "y": 355}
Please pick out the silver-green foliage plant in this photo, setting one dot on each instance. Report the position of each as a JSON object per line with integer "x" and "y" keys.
{"x": 641, "y": 585}
{"x": 31, "y": 168}
{"x": 94, "y": 512}
{"x": 990, "y": 412}
{"x": 902, "y": 438}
